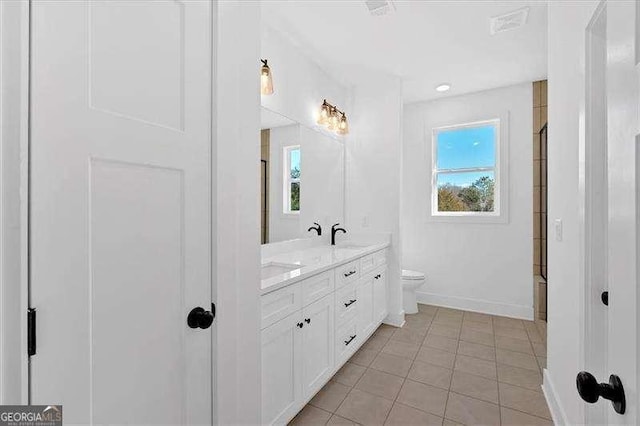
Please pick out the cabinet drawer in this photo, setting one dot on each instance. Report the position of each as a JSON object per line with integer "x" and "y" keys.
{"x": 280, "y": 303}
{"x": 380, "y": 258}
{"x": 347, "y": 273}
{"x": 372, "y": 261}
{"x": 346, "y": 303}
{"x": 315, "y": 288}
{"x": 347, "y": 340}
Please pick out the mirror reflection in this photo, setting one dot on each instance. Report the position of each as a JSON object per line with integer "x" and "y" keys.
{"x": 302, "y": 179}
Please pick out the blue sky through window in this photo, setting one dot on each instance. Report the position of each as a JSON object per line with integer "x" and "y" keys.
{"x": 467, "y": 147}
{"x": 295, "y": 159}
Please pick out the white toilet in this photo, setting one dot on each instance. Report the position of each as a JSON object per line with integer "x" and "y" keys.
{"x": 411, "y": 281}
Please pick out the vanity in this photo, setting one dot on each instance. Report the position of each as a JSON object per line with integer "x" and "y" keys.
{"x": 319, "y": 304}
{"x": 319, "y": 301}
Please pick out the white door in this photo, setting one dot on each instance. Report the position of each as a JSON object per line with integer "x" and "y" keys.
{"x": 318, "y": 337}
{"x": 120, "y": 209}
{"x": 281, "y": 352}
{"x": 612, "y": 209}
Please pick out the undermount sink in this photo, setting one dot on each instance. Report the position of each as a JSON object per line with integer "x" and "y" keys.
{"x": 272, "y": 269}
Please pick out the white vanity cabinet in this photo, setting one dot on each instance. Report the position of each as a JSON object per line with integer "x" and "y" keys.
{"x": 310, "y": 328}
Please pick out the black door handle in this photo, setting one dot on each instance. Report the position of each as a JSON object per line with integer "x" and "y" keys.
{"x": 307, "y": 320}
{"x": 351, "y": 302}
{"x": 605, "y": 297}
{"x": 590, "y": 390}
{"x": 199, "y": 318}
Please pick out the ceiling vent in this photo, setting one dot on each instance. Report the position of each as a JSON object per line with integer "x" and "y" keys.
{"x": 509, "y": 21}
{"x": 380, "y": 7}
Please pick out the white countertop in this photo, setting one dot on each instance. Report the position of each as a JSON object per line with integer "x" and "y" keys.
{"x": 314, "y": 260}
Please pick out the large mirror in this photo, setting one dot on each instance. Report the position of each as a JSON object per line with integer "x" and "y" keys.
{"x": 302, "y": 179}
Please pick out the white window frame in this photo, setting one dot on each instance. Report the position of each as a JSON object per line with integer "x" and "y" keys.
{"x": 499, "y": 214}
{"x": 287, "y": 180}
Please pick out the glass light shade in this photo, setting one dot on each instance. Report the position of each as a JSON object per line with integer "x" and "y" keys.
{"x": 343, "y": 126}
{"x": 266, "y": 79}
{"x": 324, "y": 115}
{"x": 334, "y": 120}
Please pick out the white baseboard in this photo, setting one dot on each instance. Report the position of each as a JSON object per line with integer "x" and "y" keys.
{"x": 396, "y": 320}
{"x": 477, "y": 305}
{"x": 557, "y": 412}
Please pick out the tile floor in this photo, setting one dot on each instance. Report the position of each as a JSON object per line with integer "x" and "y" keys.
{"x": 444, "y": 367}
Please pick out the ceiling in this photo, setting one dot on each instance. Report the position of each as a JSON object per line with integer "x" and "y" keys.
{"x": 425, "y": 43}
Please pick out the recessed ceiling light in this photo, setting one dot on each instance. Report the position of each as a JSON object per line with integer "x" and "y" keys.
{"x": 443, "y": 87}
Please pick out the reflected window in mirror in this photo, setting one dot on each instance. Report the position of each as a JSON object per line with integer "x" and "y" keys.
{"x": 291, "y": 191}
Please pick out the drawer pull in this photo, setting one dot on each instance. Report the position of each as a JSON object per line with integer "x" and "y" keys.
{"x": 349, "y": 303}
{"x": 346, "y": 342}
{"x": 348, "y": 274}
{"x": 377, "y": 276}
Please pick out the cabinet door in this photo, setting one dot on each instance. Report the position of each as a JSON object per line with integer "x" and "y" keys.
{"x": 317, "y": 345}
{"x": 380, "y": 294}
{"x": 281, "y": 367}
{"x": 366, "y": 316}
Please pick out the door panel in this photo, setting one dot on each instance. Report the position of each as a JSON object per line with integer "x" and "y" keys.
{"x": 134, "y": 255}
{"x": 365, "y": 305}
{"x": 317, "y": 345}
{"x": 380, "y": 295}
{"x": 281, "y": 366}
{"x": 120, "y": 209}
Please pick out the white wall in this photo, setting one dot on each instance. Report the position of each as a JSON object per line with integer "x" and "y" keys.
{"x": 299, "y": 83}
{"x": 567, "y": 24}
{"x": 373, "y": 151}
{"x": 237, "y": 214}
{"x": 484, "y": 267}
{"x": 281, "y": 226}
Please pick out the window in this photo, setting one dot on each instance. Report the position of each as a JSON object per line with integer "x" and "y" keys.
{"x": 291, "y": 179}
{"x": 466, "y": 173}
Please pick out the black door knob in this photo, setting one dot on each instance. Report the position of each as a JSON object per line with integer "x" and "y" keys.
{"x": 199, "y": 318}
{"x": 590, "y": 390}
{"x": 605, "y": 297}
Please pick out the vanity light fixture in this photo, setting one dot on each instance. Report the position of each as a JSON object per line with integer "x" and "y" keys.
{"x": 343, "y": 126}
{"x": 266, "y": 79}
{"x": 325, "y": 114}
{"x": 333, "y": 119}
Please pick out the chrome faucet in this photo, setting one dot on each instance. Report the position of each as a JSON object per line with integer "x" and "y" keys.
{"x": 316, "y": 228}
{"x": 334, "y": 230}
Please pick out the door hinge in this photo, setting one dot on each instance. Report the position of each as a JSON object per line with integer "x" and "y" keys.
{"x": 31, "y": 331}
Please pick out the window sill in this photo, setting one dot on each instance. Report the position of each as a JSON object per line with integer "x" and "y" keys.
{"x": 295, "y": 215}
{"x": 470, "y": 219}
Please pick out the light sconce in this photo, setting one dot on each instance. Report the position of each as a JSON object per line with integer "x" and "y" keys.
{"x": 266, "y": 79}
{"x": 333, "y": 119}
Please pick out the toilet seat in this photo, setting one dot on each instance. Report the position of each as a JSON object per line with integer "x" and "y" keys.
{"x": 408, "y": 274}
